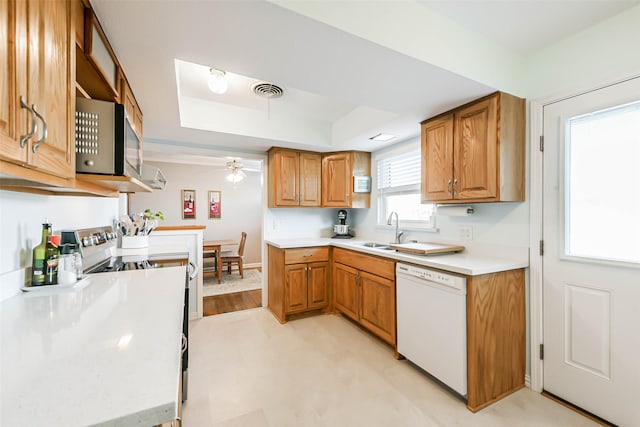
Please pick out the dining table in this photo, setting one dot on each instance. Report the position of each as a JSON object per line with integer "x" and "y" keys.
{"x": 216, "y": 246}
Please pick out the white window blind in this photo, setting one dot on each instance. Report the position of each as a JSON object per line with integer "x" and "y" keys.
{"x": 399, "y": 172}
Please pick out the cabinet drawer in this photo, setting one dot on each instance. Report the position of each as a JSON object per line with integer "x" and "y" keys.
{"x": 301, "y": 255}
{"x": 371, "y": 264}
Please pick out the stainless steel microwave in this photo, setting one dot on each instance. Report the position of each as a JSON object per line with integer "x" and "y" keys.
{"x": 106, "y": 141}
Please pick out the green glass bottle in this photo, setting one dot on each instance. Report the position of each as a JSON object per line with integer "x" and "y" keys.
{"x": 39, "y": 257}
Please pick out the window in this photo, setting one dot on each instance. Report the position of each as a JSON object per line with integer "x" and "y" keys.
{"x": 399, "y": 190}
{"x": 603, "y": 177}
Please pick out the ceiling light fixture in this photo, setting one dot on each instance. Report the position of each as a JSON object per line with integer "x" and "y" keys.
{"x": 236, "y": 175}
{"x": 384, "y": 137}
{"x": 217, "y": 81}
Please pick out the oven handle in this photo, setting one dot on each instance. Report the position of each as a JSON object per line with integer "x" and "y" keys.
{"x": 194, "y": 270}
{"x": 184, "y": 344}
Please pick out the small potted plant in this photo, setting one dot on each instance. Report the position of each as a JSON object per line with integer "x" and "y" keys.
{"x": 151, "y": 219}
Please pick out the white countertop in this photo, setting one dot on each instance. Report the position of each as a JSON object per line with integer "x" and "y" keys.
{"x": 153, "y": 250}
{"x": 105, "y": 352}
{"x": 470, "y": 264}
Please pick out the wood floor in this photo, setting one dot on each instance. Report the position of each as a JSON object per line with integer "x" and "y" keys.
{"x": 232, "y": 302}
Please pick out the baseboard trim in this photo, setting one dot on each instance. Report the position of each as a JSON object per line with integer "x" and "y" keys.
{"x": 527, "y": 381}
{"x": 577, "y": 409}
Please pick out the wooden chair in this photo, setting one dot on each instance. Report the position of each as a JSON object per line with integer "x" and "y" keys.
{"x": 228, "y": 258}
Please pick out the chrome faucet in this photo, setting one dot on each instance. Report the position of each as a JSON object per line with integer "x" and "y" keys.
{"x": 389, "y": 220}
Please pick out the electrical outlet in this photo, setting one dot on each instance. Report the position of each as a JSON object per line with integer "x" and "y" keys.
{"x": 466, "y": 232}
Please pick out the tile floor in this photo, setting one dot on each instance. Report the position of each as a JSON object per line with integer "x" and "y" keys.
{"x": 245, "y": 369}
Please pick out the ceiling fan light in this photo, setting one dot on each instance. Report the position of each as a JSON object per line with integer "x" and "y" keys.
{"x": 236, "y": 176}
{"x": 217, "y": 81}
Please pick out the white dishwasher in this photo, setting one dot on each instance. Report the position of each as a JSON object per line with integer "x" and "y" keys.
{"x": 432, "y": 323}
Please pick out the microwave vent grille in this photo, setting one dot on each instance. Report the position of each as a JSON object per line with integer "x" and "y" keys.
{"x": 87, "y": 133}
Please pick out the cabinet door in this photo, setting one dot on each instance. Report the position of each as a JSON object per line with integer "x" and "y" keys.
{"x": 317, "y": 281}
{"x": 10, "y": 30}
{"x": 378, "y": 306}
{"x": 49, "y": 85}
{"x": 310, "y": 179}
{"x": 437, "y": 159}
{"x": 345, "y": 289}
{"x": 475, "y": 152}
{"x": 336, "y": 180}
{"x": 285, "y": 182}
{"x": 295, "y": 288}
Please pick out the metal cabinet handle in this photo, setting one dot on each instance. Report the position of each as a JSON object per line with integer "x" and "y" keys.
{"x": 307, "y": 255}
{"x": 44, "y": 130}
{"x": 194, "y": 271}
{"x": 34, "y": 125}
{"x": 449, "y": 187}
{"x": 455, "y": 186}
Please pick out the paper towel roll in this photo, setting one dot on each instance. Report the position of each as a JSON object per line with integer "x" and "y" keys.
{"x": 454, "y": 210}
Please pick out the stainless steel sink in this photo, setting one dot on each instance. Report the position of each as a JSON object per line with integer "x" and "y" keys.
{"x": 376, "y": 245}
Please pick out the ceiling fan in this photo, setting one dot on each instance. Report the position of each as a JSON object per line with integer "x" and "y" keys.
{"x": 236, "y": 173}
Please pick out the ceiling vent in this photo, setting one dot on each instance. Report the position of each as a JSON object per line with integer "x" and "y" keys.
{"x": 267, "y": 90}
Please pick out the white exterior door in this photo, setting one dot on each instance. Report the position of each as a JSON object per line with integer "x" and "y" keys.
{"x": 591, "y": 262}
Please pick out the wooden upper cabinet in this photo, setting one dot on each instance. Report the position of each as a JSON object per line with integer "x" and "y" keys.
{"x": 437, "y": 147}
{"x": 336, "y": 180}
{"x": 99, "y": 52}
{"x": 283, "y": 177}
{"x": 38, "y": 69}
{"x": 131, "y": 107}
{"x": 294, "y": 178}
{"x": 338, "y": 170}
{"x": 475, "y": 153}
{"x": 9, "y": 98}
{"x": 310, "y": 179}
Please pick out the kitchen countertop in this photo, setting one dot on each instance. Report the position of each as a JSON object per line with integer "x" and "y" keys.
{"x": 95, "y": 354}
{"x": 467, "y": 263}
{"x": 156, "y": 250}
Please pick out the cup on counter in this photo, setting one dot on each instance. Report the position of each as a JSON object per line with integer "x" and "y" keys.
{"x": 69, "y": 264}
{"x": 66, "y": 269}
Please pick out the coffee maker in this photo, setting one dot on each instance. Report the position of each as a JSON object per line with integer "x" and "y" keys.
{"x": 342, "y": 229}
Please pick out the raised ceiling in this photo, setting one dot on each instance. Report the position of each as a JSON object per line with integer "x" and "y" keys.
{"x": 339, "y": 88}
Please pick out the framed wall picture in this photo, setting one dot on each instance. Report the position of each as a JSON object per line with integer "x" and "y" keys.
{"x": 215, "y": 204}
{"x": 188, "y": 204}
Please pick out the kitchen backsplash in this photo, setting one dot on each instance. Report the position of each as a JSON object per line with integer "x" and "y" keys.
{"x": 21, "y": 217}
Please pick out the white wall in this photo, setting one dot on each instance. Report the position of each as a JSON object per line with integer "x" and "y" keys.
{"x": 21, "y": 218}
{"x": 241, "y": 204}
{"x": 599, "y": 55}
{"x": 285, "y": 223}
{"x": 494, "y": 224}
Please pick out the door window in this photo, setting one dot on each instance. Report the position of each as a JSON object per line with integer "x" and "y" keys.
{"x": 602, "y": 172}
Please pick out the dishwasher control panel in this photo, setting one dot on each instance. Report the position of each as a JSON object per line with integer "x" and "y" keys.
{"x": 430, "y": 275}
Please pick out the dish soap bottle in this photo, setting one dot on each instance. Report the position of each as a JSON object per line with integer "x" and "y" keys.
{"x": 39, "y": 257}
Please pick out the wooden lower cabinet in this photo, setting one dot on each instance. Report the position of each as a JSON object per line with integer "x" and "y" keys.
{"x": 496, "y": 347}
{"x": 365, "y": 290}
{"x": 298, "y": 280}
